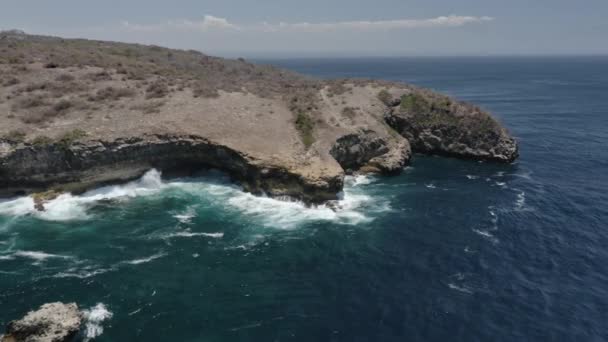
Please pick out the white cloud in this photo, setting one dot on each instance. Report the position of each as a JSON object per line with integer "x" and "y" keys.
{"x": 208, "y": 23}
{"x": 212, "y": 23}
{"x": 443, "y": 21}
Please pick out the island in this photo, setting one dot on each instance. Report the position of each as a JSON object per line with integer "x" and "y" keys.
{"x": 76, "y": 114}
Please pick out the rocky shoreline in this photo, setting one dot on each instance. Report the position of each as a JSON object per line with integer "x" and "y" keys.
{"x": 78, "y": 114}
{"x": 86, "y": 165}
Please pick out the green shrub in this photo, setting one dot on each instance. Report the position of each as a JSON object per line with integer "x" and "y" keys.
{"x": 111, "y": 93}
{"x": 62, "y": 106}
{"x": 305, "y": 125}
{"x": 415, "y": 104}
{"x": 15, "y": 136}
{"x": 157, "y": 90}
{"x": 385, "y": 97}
{"x": 349, "y": 112}
{"x": 68, "y": 138}
{"x": 42, "y": 140}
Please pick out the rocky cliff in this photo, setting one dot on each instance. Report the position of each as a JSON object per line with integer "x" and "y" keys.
{"x": 75, "y": 114}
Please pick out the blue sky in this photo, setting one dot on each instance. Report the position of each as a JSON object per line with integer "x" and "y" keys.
{"x": 326, "y": 28}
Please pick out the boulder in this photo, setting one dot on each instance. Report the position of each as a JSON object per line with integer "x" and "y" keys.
{"x": 52, "y": 322}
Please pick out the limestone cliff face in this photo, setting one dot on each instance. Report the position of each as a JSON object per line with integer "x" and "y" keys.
{"x": 29, "y": 168}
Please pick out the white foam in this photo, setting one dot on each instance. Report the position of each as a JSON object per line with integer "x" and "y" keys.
{"x": 285, "y": 213}
{"x": 460, "y": 288}
{"x": 38, "y": 256}
{"x": 187, "y": 233}
{"x": 17, "y": 207}
{"x": 186, "y": 217}
{"x": 521, "y": 200}
{"x": 81, "y": 274}
{"x": 147, "y": 259}
{"x": 430, "y": 186}
{"x": 486, "y": 234}
{"x": 472, "y": 177}
{"x": 67, "y": 207}
{"x": 358, "y": 180}
{"x": 351, "y": 209}
{"x": 95, "y": 317}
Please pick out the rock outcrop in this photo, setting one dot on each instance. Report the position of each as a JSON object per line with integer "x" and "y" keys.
{"x": 366, "y": 151}
{"x": 53, "y": 322}
{"x": 435, "y": 124}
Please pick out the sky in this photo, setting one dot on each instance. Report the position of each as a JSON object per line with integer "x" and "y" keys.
{"x": 327, "y": 28}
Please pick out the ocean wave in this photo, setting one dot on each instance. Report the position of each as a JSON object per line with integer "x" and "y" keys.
{"x": 359, "y": 180}
{"x": 352, "y": 208}
{"x": 37, "y": 256}
{"x": 68, "y": 207}
{"x": 486, "y": 234}
{"x": 520, "y": 202}
{"x": 146, "y": 259}
{"x": 187, "y": 233}
{"x": 82, "y": 273}
{"x": 186, "y": 216}
{"x": 462, "y": 289}
{"x": 94, "y": 318}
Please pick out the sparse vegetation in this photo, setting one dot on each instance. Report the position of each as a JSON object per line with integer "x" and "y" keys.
{"x": 62, "y": 106}
{"x": 149, "y": 107}
{"x": 11, "y": 82}
{"x": 42, "y": 140}
{"x": 15, "y": 136}
{"x": 415, "y": 104}
{"x": 305, "y": 126}
{"x": 157, "y": 90}
{"x": 385, "y": 97}
{"x": 64, "y": 78}
{"x": 99, "y": 76}
{"x": 68, "y": 138}
{"x": 112, "y": 94}
{"x": 30, "y": 102}
{"x": 349, "y": 112}
{"x": 337, "y": 87}
{"x": 201, "y": 90}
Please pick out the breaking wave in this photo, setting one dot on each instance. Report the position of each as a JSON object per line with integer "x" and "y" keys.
{"x": 352, "y": 208}
{"x": 147, "y": 259}
{"x": 95, "y": 317}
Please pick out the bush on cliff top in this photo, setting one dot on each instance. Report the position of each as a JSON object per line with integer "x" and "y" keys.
{"x": 68, "y": 138}
{"x": 305, "y": 126}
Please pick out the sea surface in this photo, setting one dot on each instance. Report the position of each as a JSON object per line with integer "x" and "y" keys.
{"x": 448, "y": 251}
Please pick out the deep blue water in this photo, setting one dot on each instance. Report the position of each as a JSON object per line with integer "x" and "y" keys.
{"x": 448, "y": 251}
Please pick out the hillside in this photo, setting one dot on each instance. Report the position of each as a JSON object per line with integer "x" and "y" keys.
{"x": 78, "y": 113}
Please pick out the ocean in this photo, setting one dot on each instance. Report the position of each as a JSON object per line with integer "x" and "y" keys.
{"x": 449, "y": 250}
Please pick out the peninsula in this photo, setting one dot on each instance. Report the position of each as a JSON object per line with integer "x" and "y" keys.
{"x": 75, "y": 114}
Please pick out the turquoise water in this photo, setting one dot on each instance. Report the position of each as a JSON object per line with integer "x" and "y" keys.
{"x": 449, "y": 250}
